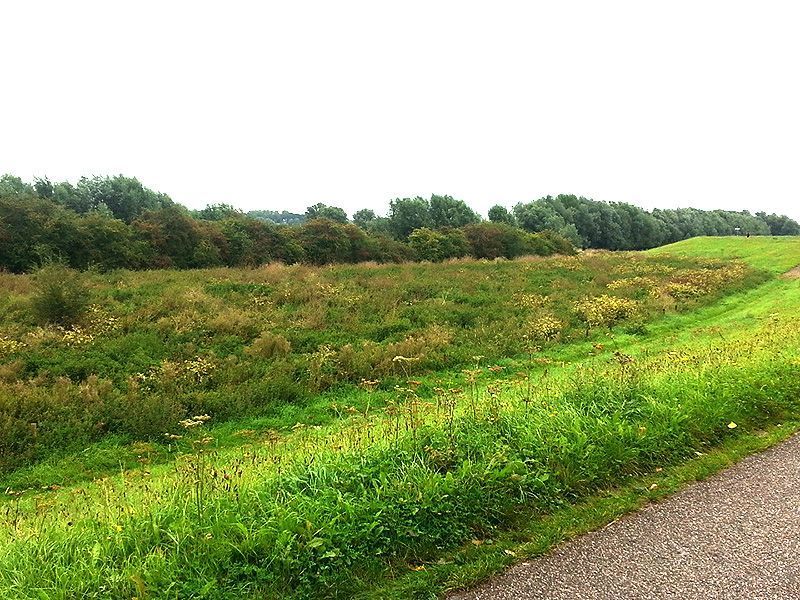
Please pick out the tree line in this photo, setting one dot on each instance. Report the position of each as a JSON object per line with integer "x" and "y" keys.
{"x": 116, "y": 222}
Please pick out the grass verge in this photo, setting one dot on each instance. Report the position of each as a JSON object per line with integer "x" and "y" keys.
{"x": 532, "y": 535}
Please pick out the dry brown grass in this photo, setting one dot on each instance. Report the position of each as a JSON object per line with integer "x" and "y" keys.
{"x": 793, "y": 274}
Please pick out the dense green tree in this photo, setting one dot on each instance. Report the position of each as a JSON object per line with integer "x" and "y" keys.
{"x": 438, "y": 245}
{"x": 125, "y": 197}
{"x": 387, "y": 249}
{"x": 682, "y": 223}
{"x": 547, "y": 243}
{"x": 33, "y": 231}
{"x": 446, "y": 211}
{"x": 379, "y": 226}
{"x": 323, "y": 211}
{"x": 408, "y": 214}
{"x": 217, "y": 212}
{"x": 454, "y": 243}
{"x": 178, "y": 240}
{"x": 538, "y": 216}
{"x": 780, "y": 224}
{"x": 11, "y": 185}
{"x": 495, "y": 240}
{"x": 87, "y": 225}
{"x": 570, "y": 233}
{"x": 426, "y": 244}
{"x": 279, "y": 217}
{"x": 254, "y": 242}
{"x": 500, "y": 214}
{"x": 44, "y": 187}
{"x": 364, "y": 217}
{"x": 326, "y": 241}
{"x": 107, "y": 243}
{"x": 69, "y": 196}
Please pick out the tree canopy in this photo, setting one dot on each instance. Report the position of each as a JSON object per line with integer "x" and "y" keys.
{"x": 116, "y": 222}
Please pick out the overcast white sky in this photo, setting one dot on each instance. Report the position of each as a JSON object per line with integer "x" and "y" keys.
{"x": 279, "y": 105}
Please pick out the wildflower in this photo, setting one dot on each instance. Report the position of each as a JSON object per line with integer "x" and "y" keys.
{"x": 404, "y": 359}
{"x": 605, "y": 310}
{"x": 7, "y": 346}
{"x": 545, "y": 328}
{"x": 531, "y": 301}
{"x": 76, "y": 337}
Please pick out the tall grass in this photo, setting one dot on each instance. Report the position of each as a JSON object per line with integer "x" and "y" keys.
{"x": 420, "y": 465}
{"x": 154, "y": 347}
{"x": 319, "y": 515}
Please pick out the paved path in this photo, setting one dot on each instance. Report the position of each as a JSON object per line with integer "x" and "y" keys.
{"x": 735, "y": 535}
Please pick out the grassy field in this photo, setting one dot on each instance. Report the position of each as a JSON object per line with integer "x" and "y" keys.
{"x": 430, "y": 406}
{"x": 155, "y": 347}
{"x": 772, "y": 254}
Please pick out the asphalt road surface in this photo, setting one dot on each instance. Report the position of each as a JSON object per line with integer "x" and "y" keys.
{"x": 735, "y": 535}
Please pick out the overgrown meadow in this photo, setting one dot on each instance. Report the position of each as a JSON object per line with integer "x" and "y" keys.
{"x": 149, "y": 349}
{"x": 312, "y": 432}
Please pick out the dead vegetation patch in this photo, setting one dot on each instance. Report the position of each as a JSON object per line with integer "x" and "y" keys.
{"x": 793, "y": 274}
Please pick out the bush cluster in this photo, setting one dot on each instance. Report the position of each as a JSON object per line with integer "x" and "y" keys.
{"x": 115, "y": 222}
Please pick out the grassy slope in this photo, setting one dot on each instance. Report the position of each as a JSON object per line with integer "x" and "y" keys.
{"x": 734, "y": 316}
{"x": 773, "y": 254}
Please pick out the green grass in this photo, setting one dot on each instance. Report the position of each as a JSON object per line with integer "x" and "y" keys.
{"x": 772, "y": 254}
{"x": 158, "y": 346}
{"x": 531, "y": 535}
{"x": 407, "y": 491}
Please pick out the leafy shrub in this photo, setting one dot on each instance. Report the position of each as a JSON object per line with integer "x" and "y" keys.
{"x": 234, "y": 322}
{"x": 605, "y": 310}
{"x": 37, "y": 420}
{"x": 61, "y": 296}
{"x": 269, "y": 345}
{"x": 545, "y": 328}
{"x": 143, "y": 415}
